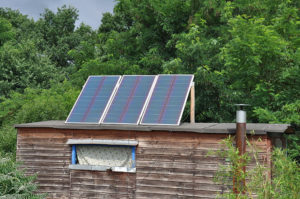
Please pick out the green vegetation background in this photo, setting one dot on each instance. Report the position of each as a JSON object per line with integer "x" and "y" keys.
{"x": 239, "y": 51}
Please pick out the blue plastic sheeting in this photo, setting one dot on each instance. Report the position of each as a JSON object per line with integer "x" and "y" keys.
{"x": 168, "y": 100}
{"x": 133, "y": 156}
{"x": 73, "y": 160}
{"x": 93, "y": 99}
{"x": 129, "y": 100}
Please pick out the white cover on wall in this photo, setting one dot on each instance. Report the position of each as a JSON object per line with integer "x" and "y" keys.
{"x": 104, "y": 155}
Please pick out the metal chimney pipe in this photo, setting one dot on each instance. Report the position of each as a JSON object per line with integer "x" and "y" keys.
{"x": 240, "y": 138}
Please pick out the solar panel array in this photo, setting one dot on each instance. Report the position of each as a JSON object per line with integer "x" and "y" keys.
{"x": 132, "y": 99}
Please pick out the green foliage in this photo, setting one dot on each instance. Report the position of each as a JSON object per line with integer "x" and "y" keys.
{"x": 38, "y": 104}
{"x": 6, "y": 32}
{"x": 97, "y": 67}
{"x": 289, "y": 113}
{"x": 293, "y": 142}
{"x": 13, "y": 183}
{"x": 57, "y": 30}
{"x": 52, "y": 104}
{"x": 265, "y": 51}
{"x": 8, "y": 140}
{"x": 231, "y": 169}
{"x": 22, "y": 65}
{"x": 285, "y": 181}
{"x": 239, "y": 51}
{"x": 58, "y": 36}
{"x": 23, "y": 27}
{"x": 85, "y": 50}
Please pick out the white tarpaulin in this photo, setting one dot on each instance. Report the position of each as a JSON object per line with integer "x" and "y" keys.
{"x": 104, "y": 155}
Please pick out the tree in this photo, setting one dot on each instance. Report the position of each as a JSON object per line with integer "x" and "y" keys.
{"x": 23, "y": 27}
{"x": 6, "y": 32}
{"x": 57, "y": 34}
{"x": 22, "y": 65}
{"x": 86, "y": 48}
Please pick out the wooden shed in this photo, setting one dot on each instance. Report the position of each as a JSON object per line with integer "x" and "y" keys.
{"x": 159, "y": 161}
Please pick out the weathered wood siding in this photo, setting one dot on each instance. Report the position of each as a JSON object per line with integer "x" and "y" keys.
{"x": 44, "y": 152}
{"x": 95, "y": 184}
{"x": 169, "y": 164}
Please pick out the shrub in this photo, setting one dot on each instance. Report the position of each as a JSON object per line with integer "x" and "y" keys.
{"x": 284, "y": 184}
{"x": 13, "y": 183}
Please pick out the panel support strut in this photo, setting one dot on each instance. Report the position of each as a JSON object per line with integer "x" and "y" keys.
{"x": 192, "y": 111}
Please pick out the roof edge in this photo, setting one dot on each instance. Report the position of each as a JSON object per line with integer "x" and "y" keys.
{"x": 219, "y": 128}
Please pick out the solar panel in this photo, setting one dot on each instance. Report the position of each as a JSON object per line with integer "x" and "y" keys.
{"x": 129, "y": 100}
{"x": 93, "y": 99}
{"x": 168, "y": 100}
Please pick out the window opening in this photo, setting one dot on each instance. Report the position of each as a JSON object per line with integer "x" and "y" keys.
{"x": 103, "y": 157}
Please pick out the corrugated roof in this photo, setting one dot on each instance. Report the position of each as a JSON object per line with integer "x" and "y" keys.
{"x": 257, "y": 128}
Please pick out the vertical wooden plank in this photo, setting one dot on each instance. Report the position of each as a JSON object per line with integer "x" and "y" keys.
{"x": 269, "y": 155}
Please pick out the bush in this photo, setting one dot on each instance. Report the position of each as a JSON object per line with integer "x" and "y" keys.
{"x": 285, "y": 182}
{"x": 8, "y": 140}
{"x": 13, "y": 183}
{"x": 38, "y": 104}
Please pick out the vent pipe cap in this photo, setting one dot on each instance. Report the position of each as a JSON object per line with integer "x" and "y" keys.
{"x": 241, "y": 115}
{"x": 241, "y": 106}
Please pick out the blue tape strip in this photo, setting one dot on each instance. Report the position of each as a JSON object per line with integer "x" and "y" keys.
{"x": 133, "y": 156}
{"x": 73, "y": 154}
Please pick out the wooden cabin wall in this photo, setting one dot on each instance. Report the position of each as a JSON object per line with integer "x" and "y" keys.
{"x": 44, "y": 152}
{"x": 169, "y": 164}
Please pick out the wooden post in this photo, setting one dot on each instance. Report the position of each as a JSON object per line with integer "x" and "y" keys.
{"x": 269, "y": 155}
{"x": 192, "y": 112}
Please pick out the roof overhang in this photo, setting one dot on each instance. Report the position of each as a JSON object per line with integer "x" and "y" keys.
{"x": 220, "y": 128}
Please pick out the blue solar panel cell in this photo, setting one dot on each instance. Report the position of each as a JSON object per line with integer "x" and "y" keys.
{"x": 93, "y": 99}
{"x": 129, "y": 101}
{"x": 168, "y": 100}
